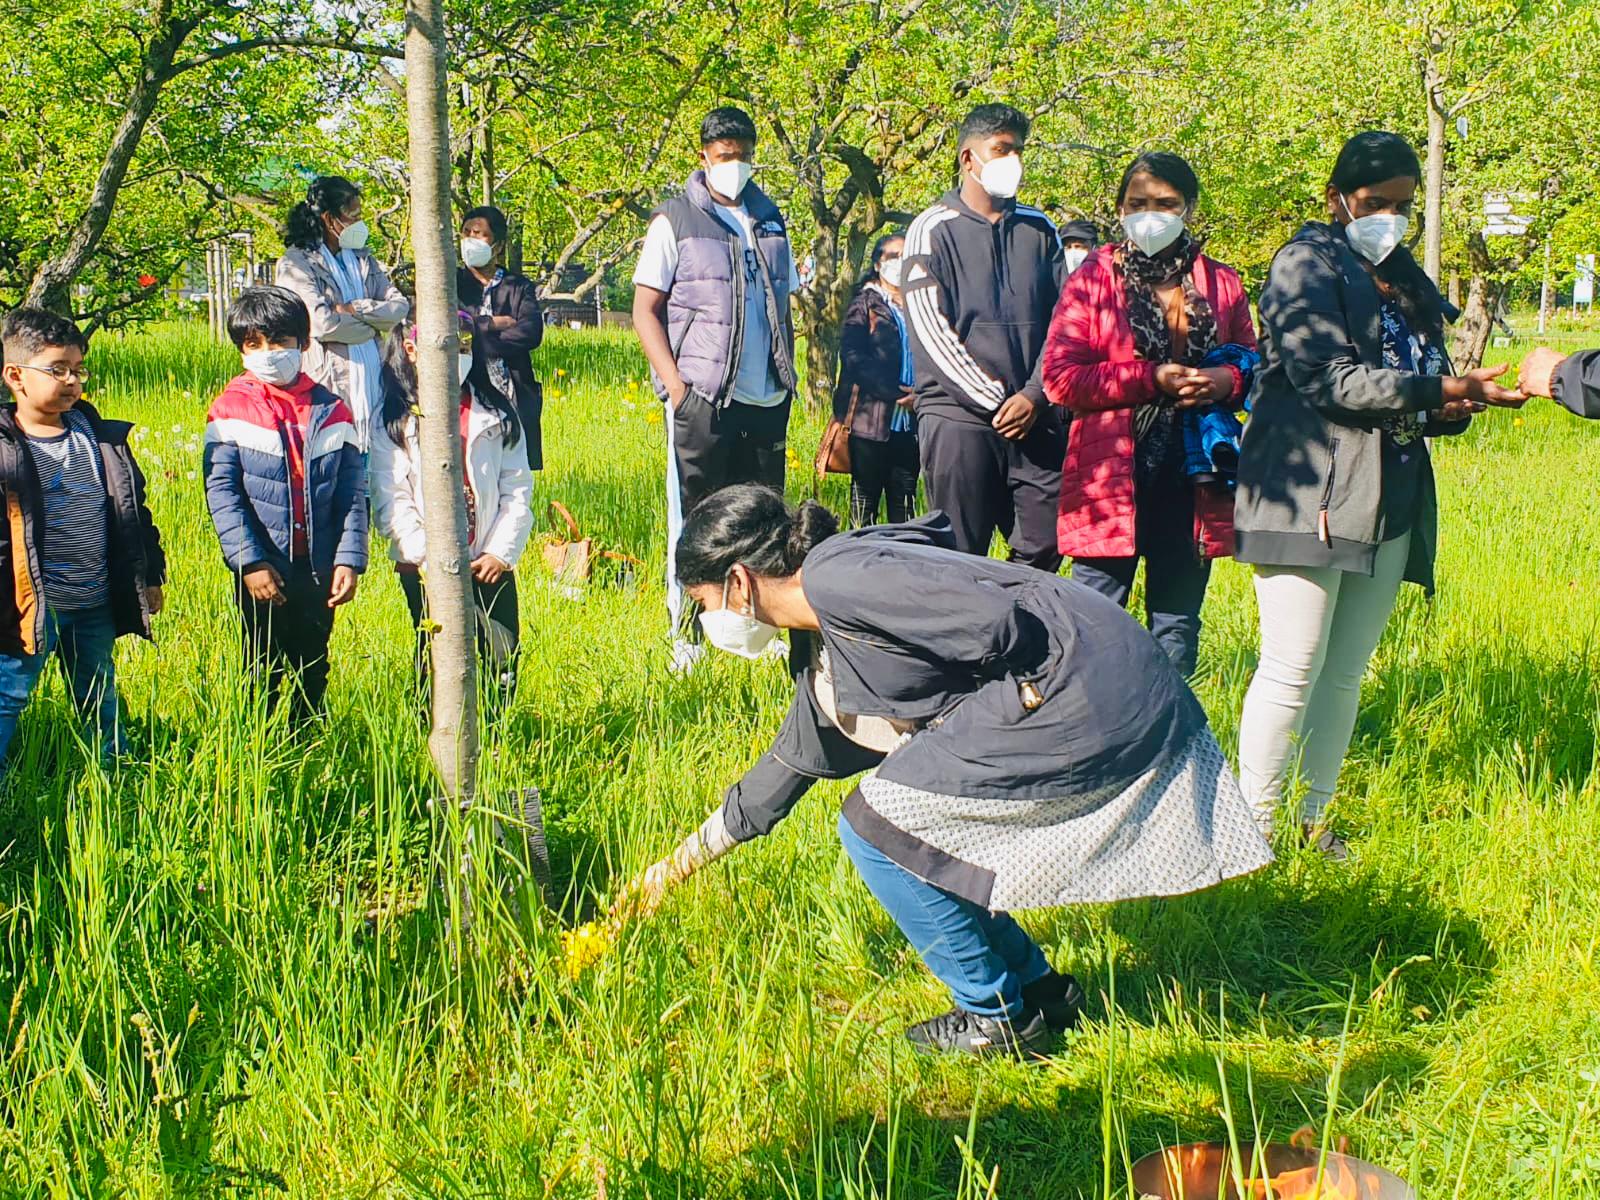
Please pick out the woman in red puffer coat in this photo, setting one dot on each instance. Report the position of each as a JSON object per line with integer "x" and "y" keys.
{"x": 1130, "y": 355}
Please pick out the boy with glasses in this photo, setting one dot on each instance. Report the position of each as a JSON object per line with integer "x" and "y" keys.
{"x": 85, "y": 558}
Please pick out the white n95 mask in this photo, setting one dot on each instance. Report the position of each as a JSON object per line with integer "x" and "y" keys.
{"x": 890, "y": 271}
{"x": 1075, "y": 258}
{"x": 353, "y": 237}
{"x": 728, "y": 178}
{"x": 1152, "y": 232}
{"x": 1376, "y": 236}
{"x": 476, "y": 252}
{"x": 737, "y": 633}
{"x": 277, "y": 367}
{"x": 1001, "y": 177}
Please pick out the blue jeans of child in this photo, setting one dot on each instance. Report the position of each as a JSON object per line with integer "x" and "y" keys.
{"x": 83, "y": 641}
{"x": 983, "y": 957}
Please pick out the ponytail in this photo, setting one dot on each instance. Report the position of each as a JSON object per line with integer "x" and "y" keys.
{"x": 327, "y": 194}
{"x": 749, "y": 525}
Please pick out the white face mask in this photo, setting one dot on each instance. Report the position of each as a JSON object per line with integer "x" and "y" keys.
{"x": 1375, "y": 237}
{"x": 354, "y": 236}
{"x": 465, "y": 367}
{"x": 1001, "y": 177}
{"x": 1075, "y": 258}
{"x": 728, "y": 178}
{"x": 737, "y": 633}
{"x": 278, "y": 367}
{"x": 1153, "y": 232}
{"x": 476, "y": 252}
{"x": 889, "y": 271}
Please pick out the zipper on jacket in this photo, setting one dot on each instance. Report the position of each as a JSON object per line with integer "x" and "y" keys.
{"x": 305, "y": 482}
{"x": 1323, "y": 535}
{"x": 730, "y": 374}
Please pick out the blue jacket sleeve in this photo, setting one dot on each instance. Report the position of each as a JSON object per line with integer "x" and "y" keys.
{"x": 231, "y": 513}
{"x": 350, "y": 510}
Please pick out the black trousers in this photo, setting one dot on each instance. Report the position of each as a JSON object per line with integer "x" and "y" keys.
{"x": 713, "y": 448}
{"x": 288, "y": 643}
{"x": 737, "y": 443}
{"x": 984, "y": 482}
{"x": 1175, "y": 575}
{"x": 499, "y": 639}
{"x": 883, "y": 471}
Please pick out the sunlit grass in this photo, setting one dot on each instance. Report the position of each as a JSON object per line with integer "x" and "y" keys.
{"x": 228, "y": 967}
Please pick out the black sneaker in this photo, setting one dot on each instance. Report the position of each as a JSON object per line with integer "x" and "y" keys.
{"x": 1326, "y": 843}
{"x": 961, "y": 1032}
{"x": 1059, "y": 998}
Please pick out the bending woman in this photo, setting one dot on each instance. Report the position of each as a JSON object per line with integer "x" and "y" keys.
{"x": 1336, "y": 502}
{"x": 1027, "y": 745}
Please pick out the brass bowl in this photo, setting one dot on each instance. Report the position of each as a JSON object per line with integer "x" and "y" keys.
{"x": 1201, "y": 1171}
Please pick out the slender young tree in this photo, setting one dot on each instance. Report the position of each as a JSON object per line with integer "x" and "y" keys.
{"x": 453, "y": 741}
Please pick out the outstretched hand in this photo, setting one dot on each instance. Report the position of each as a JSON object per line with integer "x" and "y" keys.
{"x": 642, "y": 895}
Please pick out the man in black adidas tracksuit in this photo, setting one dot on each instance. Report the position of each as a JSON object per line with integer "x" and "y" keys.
{"x": 982, "y": 277}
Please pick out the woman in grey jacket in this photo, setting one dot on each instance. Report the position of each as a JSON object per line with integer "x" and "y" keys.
{"x": 1336, "y": 503}
{"x": 352, "y": 303}
{"x": 1027, "y": 745}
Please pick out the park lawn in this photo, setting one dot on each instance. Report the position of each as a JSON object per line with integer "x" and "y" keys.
{"x": 225, "y": 969}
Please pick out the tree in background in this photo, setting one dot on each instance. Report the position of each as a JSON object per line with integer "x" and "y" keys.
{"x": 127, "y": 132}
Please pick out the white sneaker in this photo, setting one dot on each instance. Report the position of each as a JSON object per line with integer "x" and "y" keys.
{"x": 686, "y": 655}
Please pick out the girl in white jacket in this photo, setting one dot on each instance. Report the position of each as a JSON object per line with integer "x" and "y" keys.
{"x": 498, "y": 485}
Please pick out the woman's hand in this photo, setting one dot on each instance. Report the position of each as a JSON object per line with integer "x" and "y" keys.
{"x": 1479, "y": 387}
{"x": 347, "y": 309}
{"x": 1170, "y": 378}
{"x": 644, "y": 894}
{"x": 1205, "y": 385}
{"x": 486, "y": 568}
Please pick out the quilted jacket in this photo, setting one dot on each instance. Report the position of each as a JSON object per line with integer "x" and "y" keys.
{"x": 1092, "y": 369}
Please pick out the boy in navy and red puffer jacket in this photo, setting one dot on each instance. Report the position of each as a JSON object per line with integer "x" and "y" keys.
{"x": 286, "y": 484}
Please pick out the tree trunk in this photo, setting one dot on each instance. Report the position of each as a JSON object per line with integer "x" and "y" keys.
{"x": 51, "y": 286}
{"x": 1477, "y": 316}
{"x": 1433, "y": 196}
{"x": 453, "y": 741}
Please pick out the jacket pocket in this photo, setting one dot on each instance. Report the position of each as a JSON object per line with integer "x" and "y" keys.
{"x": 1323, "y": 534}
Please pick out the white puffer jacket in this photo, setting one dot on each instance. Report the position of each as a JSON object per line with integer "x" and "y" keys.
{"x": 501, "y": 484}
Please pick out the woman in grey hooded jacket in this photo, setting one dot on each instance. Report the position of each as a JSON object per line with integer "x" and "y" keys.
{"x": 1336, "y": 503}
{"x": 1026, "y": 745}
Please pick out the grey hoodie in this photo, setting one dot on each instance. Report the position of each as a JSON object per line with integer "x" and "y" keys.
{"x": 1311, "y": 465}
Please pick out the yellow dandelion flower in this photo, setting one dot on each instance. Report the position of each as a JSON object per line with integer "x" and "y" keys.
{"x": 586, "y": 945}
{"x": 653, "y": 415}
{"x": 1516, "y": 423}
{"x": 560, "y": 373}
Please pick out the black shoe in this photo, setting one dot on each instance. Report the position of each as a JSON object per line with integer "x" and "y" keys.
{"x": 1326, "y": 843}
{"x": 1059, "y": 998}
{"x": 961, "y": 1032}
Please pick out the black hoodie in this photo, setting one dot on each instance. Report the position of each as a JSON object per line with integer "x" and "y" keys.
{"x": 979, "y": 295}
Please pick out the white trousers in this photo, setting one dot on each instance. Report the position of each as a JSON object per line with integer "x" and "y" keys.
{"x": 1319, "y": 627}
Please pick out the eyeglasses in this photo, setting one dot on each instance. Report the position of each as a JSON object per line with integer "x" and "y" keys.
{"x": 60, "y": 372}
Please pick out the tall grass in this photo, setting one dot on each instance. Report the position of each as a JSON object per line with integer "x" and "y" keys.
{"x": 226, "y": 969}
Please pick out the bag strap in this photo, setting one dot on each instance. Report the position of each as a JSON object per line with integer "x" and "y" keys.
{"x": 561, "y": 515}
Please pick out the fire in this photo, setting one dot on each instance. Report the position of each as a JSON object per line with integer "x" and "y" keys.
{"x": 1187, "y": 1170}
{"x": 1338, "y": 1183}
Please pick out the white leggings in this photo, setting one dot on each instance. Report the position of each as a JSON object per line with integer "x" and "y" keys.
{"x": 1319, "y": 627}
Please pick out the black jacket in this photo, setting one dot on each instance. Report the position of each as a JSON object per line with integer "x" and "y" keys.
{"x": 1577, "y": 383}
{"x": 980, "y": 295}
{"x": 133, "y": 543}
{"x": 516, "y": 297}
{"x": 870, "y": 353}
{"x": 920, "y": 633}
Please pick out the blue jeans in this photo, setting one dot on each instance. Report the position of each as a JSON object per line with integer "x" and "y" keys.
{"x": 983, "y": 957}
{"x": 84, "y": 642}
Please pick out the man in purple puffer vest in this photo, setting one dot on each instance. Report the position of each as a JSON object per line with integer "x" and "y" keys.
{"x": 711, "y": 306}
